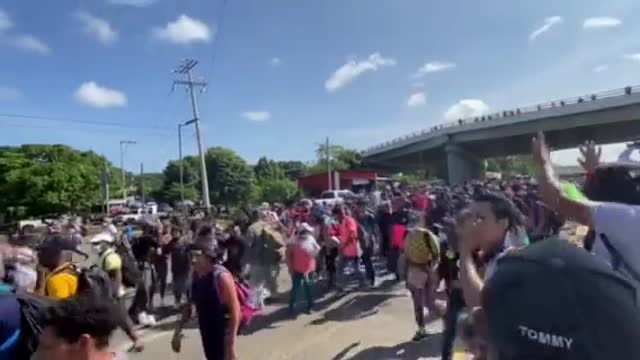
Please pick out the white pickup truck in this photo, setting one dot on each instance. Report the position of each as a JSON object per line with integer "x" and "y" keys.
{"x": 137, "y": 215}
{"x": 332, "y": 197}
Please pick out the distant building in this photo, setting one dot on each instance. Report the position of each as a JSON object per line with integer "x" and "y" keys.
{"x": 313, "y": 185}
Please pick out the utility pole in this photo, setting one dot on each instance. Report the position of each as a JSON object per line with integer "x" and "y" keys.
{"x": 180, "y": 126}
{"x": 328, "y": 165}
{"x": 181, "y": 165}
{"x": 123, "y": 143}
{"x": 185, "y": 69}
{"x": 104, "y": 179}
{"x": 142, "y": 183}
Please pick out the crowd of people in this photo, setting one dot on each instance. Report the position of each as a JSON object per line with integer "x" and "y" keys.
{"x": 514, "y": 288}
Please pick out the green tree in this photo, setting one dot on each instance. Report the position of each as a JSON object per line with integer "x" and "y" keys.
{"x": 171, "y": 194}
{"x": 267, "y": 169}
{"x": 191, "y": 170}
{"x": 410, "y": 179}
{"x": 351, "y": 158}
{"x": 341, "y": 159}
{"x": 231, "y": 180}
{"x": 293, "y": 170}
{"x": 278, "y": 190}
{"x": 512, "y": 165}
{"x": 45, "y": 179}
{"x": 152, "y": 184}
{"x": 170, "y": 190}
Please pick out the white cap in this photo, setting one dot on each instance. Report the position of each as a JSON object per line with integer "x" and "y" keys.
{"x": 102, "y": 237}
{"x": 305, "y": 227}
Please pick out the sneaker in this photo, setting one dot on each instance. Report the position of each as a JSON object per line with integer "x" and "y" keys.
{"x": 420, "y": 334}
{"x": 151, "y": 320}
{"x": 143, "y": 319}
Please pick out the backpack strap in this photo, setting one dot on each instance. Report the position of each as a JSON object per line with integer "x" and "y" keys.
{"x": 217, "y": 271}
{"x": 617, "y": 260}
{"x": 434, "y": 250}
{"x": 105, "y": 256}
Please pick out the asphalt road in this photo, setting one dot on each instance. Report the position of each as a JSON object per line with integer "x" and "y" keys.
{"x": 360, "y": 324}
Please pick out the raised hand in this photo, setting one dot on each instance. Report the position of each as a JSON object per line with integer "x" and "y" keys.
{"x": 590, "y": 156}
{"x": 540, "y": 150}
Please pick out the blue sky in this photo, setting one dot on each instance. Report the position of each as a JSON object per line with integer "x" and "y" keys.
{"x": 284, "y": 74}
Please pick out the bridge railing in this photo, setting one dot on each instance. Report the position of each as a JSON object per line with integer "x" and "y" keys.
{"x": 437, "y": 129}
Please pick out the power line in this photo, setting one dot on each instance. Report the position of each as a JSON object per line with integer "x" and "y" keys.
{"x": 93, "y": 131}
{"x": 84, "y": 122}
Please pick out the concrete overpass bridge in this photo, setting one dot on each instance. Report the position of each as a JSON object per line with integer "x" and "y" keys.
{"x": 458, "y": 149}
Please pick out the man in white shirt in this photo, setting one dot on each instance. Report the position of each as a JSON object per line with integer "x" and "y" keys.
{"x": 616, "y": 223}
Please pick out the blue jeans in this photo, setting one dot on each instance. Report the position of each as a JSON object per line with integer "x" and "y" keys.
{"x": 300, "y": 280}
{"x": 344, "y": 263}
{"x": 455, "y": 305}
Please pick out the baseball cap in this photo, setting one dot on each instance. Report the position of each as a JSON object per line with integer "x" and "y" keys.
{"x": 553, "y": 300}
{"x": 305, "y": 227}
{"x": 102, "y": 237}
{"x": 57, "y": 244}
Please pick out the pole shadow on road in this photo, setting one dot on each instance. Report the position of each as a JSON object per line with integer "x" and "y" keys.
{"x": 358, "y": 307}
{"x": 270, "y": 320}
{"x": 429, "y": 347}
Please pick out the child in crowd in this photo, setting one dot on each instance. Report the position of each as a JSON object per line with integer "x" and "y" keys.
{"x": 301, "y": 259}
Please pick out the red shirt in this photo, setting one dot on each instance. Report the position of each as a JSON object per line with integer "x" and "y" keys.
{"x": 421, "y": 202}
{"x": 347, "y": 232}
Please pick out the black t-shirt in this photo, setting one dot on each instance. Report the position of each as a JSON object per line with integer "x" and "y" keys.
{"x": 401, "y": 217}
{"x": 143, "y": 248}
{"x": 180, "y": 258}
{"x": 385, "y": 220}
{"x": 235, "y": 248}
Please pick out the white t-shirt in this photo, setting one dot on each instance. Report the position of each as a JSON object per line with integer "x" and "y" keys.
{"x": 111, "y": 229}
{"x": 621, "y": 224}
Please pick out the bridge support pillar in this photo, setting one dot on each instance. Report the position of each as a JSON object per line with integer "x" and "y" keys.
{"x": 462, "y": 165}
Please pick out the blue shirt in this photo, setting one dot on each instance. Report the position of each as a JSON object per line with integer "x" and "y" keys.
{"x": 9, "y": 324}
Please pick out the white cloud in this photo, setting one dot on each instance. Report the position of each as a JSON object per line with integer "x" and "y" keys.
{"x": 184, "y": 30}
{"x": 417, "y": 99}
{"x": 353, "y": 69}
{"x": 94, "y": 95}
{"x": 549, "y": 22}
{"x": 466, "y": 108}
{"x": 601, "y": 68}
{"x": 9, "y": 93}
{"x": 601, "y": 23}
{"x": 256, "y": 116}
{"x": 633, "y": 57}
{"x": 24, "y": 42}
{"x": 5, "y": 21}
{"x": 434, "y": 66}
{"x": 136, "y": 3}
{"x": 100, "y": 28}
{"x": 275, "y": 61}
{"x": 29, "y": 43}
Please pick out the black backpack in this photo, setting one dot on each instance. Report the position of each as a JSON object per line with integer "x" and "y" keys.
{"x": 33, "y": 311}
{"x": 96, "y": 282}
{"x": 130, "y": 270}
